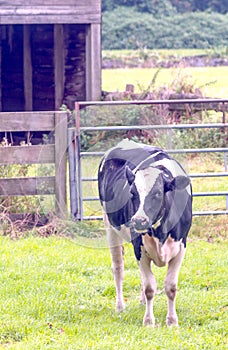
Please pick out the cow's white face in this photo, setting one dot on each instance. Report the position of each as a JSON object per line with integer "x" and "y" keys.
{"x": 149, "y": 185}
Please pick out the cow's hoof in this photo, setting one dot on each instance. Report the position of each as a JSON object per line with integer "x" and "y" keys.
{"x": 148, "y": 322}
{"x": 172, "y": 321}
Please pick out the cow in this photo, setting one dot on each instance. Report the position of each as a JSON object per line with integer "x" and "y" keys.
{"x": 146, "y": 198}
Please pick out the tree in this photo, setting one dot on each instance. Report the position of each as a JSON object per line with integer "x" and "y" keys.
{"x": 156, "y": 6}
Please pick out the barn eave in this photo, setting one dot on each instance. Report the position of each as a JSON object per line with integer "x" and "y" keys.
{"x": 42, "y": 15}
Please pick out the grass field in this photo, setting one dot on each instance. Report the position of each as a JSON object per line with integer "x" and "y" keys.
{"x": 57, "y": 294}
{"x": 213, "y": 80}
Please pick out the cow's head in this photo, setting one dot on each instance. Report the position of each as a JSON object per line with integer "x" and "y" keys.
{"x": 149, "y": 186}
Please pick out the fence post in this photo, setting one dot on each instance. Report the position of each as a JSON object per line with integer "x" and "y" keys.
{"x": 60, "y": 162}
{"x": 78, "y": 162}
{"x": 72, "y": 172}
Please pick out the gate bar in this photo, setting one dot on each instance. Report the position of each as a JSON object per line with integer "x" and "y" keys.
{"x": 154, "y": 102}
{"x": 150, "y": 127}
{"x": 171, "y": 151}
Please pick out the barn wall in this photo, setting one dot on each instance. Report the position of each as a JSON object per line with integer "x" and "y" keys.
{"x": 50, "y": 53}
{"x": 42, "y": 67}
{"x": 75, "y": 66}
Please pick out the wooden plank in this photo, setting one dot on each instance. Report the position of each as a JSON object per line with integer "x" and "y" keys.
{"x": 27, "y": 121}
{"x": 48, "y": 10}
{"x": 73, "y": 18}
{"x": 39, "y": 154}
{"x": 52, "y": 14}
{"x": 60, "y": 163}
{"x": 59, "y": 64}
{"x": 93, "y": 62}
{"x": 88, "y": 3}
{"x": 27, "y": 186}
{"x": 27, "y": 63}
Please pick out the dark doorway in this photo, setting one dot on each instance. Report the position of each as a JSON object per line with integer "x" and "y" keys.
{"x": 12, "y": 68}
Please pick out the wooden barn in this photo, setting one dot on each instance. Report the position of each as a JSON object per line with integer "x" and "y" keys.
{"x": 50, "y": 53}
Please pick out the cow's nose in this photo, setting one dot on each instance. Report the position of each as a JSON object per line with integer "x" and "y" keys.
{"x": 140, "y": 223}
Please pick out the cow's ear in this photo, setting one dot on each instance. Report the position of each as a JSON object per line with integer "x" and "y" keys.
{"x": 130, "y": 175}
{"x": 179, "y": 183}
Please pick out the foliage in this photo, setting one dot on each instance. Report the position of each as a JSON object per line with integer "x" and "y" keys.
{"x": 58, "y": 294}
{"x": 200, "y": 138}
{"x": 13, "y": 203}
{"x": 124, "y": 28}
{"x": 179, "y": 6}
{"x": 23, "y": 204}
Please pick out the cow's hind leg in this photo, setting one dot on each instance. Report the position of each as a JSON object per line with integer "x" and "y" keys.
{"x": 149, "y": 288}
{"x": 171, "y": 281}
{"x": 116, "y": 249}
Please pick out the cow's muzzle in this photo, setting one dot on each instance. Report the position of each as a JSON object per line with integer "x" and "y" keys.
{"x": 140, "y": 223}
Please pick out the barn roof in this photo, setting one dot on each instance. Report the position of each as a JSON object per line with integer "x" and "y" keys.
{"x": 50, "y": 11}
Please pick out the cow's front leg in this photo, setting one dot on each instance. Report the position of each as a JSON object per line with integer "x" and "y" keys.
{"x": 117, "y": 252}
{"x": 118, "y": 273}
{"x": 149, "y": 285}
{"x": 171, "y": 281}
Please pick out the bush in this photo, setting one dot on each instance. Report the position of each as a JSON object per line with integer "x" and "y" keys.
{"x": 125, "y": 28}
{"x": 162, "y": 6}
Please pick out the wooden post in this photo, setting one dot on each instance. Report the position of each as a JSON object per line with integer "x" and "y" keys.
{"x": 60, "y": 162}
{"x": 28, "y": 86}
{"x": 59, "y": 64}
{"x": 93, "y": 62}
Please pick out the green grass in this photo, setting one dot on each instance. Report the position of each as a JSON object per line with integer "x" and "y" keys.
{"x": 58, "y": 294}
{"x": 214, "y": 80}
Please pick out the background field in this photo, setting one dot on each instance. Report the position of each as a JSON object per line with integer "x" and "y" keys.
{"x": 213, "y": 81}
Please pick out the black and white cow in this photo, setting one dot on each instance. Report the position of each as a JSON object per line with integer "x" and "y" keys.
{"x": 147, "y": 199}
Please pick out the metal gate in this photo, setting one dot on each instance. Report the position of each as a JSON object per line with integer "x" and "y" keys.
{"x": 75, "y": 154}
